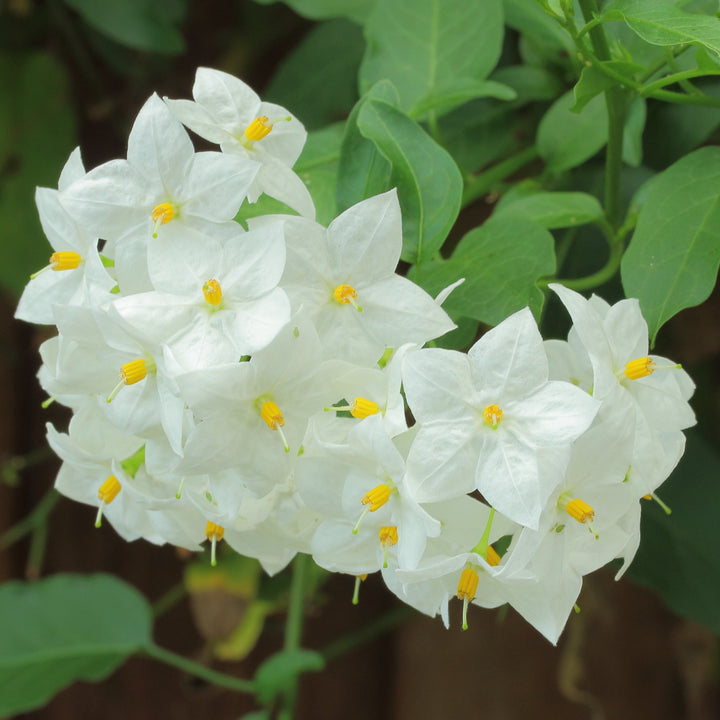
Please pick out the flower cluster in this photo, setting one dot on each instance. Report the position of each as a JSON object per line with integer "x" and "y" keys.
{"x": 245, "y": 384}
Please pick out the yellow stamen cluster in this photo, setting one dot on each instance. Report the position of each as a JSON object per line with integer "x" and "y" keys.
{"x": 212, "y": 292}
{"x": 580, "y": 510}
{"x": 388, "y": 537}
{"x": 377, "y": 497}
{"x": 65, "y": 260}
{"x": 132, "y": 372}
{"x": 361, "y": 407}
{"x": 345, "y": 295}
{"x": 492, "y": 557}
{"x": 467, "y": 587}
{"x": 271, "y": 414}
{"x": 493, "y": 415}
{"x": 258, "y": 128}
{"x": 107, "y": 492}
{"x": 214, "y": 533}
{"x": 162, "y": 214}
{"x": 639, "y": 368}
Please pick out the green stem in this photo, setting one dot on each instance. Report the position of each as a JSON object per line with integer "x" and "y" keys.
{"x": 486, "y": 181}
{"x": 672, "y": 79}
{"x": 596, "y": 279}
{"x": 36, "y": 518}
{"x": 658, "y": 65}
{"x": 365, "y": 634}
{"x": 198, "y": 670}
{"x": 482, "y": 547}
{"x": 293, "y": 626}
{"x": 171, "y": 598}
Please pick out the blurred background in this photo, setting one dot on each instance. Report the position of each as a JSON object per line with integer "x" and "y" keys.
{"x": 75, "y": 72}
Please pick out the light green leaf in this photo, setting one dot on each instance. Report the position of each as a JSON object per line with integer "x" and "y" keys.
{"x": 141, "y": 24}
{"x": 678, "y": 555}
{"x": 426, "y": 46}
{"x": 540, "y": 30}
{"x": 37, "y": 133}
{"x": 673, "y": 258}
{"x": 553, "y": 209}
{"x": 357, "y": 10}
{"x": 362, "y": 170}
{"x": 318, "y": 80}
{"x": 428, "y": 180}
{"x": 281, "y": 670}
{"x": 566, "y": 139}
{"x": 529, "y": 83}
{"x": 458, "y": 94}
{"x": 593, "y": 81}
{"x": 632, "y": 148}
{"x": 62, "y": 629}
{"x": 661, "y": 22}
{"x": 501, "y": 262}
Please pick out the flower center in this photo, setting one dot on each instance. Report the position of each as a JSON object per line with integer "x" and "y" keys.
{"x": 467, "y": 587}
{"x": 162, "y": 214}
{"x": 259, "y": 128}
{"x": 388, "y": 537}
{"x": 132, "y": 372}
{"x": 492, "y": 557}
{"x": 373, "y": 500}
{"x": 361, "y": 407}
{"x": 107, "y": 492}
{"x": 578, "y": 510}
{"x": 214, "y": 533}
{"x": 212, "y": 292}
{"x": 65, "y": 260}
{"x": 639, "y": 368}
{"x": 493, "y": 415}
{"x": 274, "y": 418}
{"x": 345, "y": 295}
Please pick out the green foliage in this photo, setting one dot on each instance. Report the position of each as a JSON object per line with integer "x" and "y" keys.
{"x": 357, "y": 10}
{"x": 678, "y": 554}
{"x": 429, "y": 48}
{"x": 661, "y": 22}
{"x": 74, "y": 628}
{"x": 37, "y": 133}
{"x": 552, "y": 210}
{"x": 673, "y": 258}
{"x": 428, "y": 181}
{"x": 141, "y": 24}
{"x": 501, "y": 262}
{"x": 281, "y": 670}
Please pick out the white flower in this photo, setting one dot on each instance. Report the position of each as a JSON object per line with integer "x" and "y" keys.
{"x": 484, "y": 415}
{"x": 228, "y": 112}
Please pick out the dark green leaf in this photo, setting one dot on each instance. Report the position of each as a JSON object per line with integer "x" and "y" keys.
{"x": 319, "y": 79}
{"x": 427, "y": 46}
{"x": 449, "y": 98}
{"x": 672, "y": 260}
{"x": 566, "y": 139}
{"x": 661, "y": 22}
{"x": 633, "y": 136}
{"x": 357, "y": 10}
{"x": 428, "y": 180}
{"x": 362, "y": 170}
{"x": 501, "y": 262}
{"x": 141, "y": 24}
{"x": 37, "y": 133}
{"x": 281, "y": 670}
{"x": 74, "y": 628}
{"x": 678, "y": 555}
{"x": 552, "y": 210}
{"x": 544, "y": 33}
{"x": 593, "y": 81}
{"x": 529, "y": 83}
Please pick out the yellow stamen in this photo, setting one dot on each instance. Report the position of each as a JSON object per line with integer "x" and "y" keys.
{"x": 130, "y": 373}
{"x": 107, "y": 492}
{"x": 467, "y": 587}
{"x": 361, "y": 407}
{"x": 345, "y": 295}
{"x": 271, "y": 414}
{"x": 65, "y": 260}
{"x": 212, "y": 292}
{"x": 492, "y": 557}
{"x": 388, "y": 536}
{"x": 493, "y": 415}
{"x": 639, "y": 368}
{"x": 162, "y": 214}
{"x": 356, "y": 593}
{"x": 377, "y": 497}
{"x": 258, "y": 128}
{"x": 580, "y": 510}
{"x": 214, "y": 533}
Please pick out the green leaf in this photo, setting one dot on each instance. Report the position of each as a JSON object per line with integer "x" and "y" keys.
{"x": 501, "y": 262}
{"x": 632, "y": 149}
{"x": 362, "y": 170}
{"x": 458, "y": 94}
{"x": 37, "y": 133}
{"x": 673, "y": 258}
{"x": 544, "y": 33}
{"x": 427, "y": 46}
{"x": 566, "y": 139}
{"x": 74, "y": 628}
{"x": 428, "y": 180}
{"x": 357, "y": 10}
{"x": 281, "y": 670}
{"x": 529, "y": 83}
{"x": 553, "y": 209}
{"x": 318, "y": 80}
{"x": 593, "y": 81}
{"x": 678, "y": 555}
{"x": 140, "y": 24}
{"x": 661, "y": 22}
